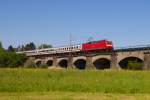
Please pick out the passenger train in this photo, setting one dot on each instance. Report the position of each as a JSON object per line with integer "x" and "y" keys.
{"x": 92, "y": 45}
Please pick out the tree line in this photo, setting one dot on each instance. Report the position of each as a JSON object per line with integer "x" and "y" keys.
{"x": 28, "y": 46}
{"x": 10, "y": 59}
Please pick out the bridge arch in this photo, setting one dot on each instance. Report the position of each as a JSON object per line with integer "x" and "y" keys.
{"x": 123, "y": 55}
{"x": 63, "y": 63}
{"x": 102, "y": 63}
{"x": 131, "y": 62}
{"x": 101, "y": 56}
{"x": 38, "y": 62}
{"x": 49, "y": 62}
{"x": 79, "y": 57}
{"x": 80, "y": 63}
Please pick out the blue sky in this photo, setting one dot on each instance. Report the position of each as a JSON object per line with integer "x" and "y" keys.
{"x": 125, "y": 22}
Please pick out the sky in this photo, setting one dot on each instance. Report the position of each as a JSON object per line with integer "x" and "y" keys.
{"x": 125, "y": 22}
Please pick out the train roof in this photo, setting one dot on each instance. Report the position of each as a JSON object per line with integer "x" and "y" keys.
{"x": 68, "y": 45}
{"x": 96, "y": 41}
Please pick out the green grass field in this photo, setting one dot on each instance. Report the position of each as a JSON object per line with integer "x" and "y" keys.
{"x": 73, "y": 84}
{"x": 71, "y": 96}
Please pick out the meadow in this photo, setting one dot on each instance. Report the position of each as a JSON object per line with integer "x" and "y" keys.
{"x": 99, "y": 83}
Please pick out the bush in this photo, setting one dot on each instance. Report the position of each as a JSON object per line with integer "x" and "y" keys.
{"x": 134, "y": 65}
{"x": 43, "y": 66}
{"x": 11, "y": 59}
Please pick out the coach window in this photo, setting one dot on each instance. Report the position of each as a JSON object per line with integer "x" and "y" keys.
{"x": 79, "y": 47}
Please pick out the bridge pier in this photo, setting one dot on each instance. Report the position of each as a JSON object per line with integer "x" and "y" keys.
{"x": 70, "y": 63}
{"x": 146, "y": 61}
{"x": 89, "y": 63}
{"x": 55, "y": 64}
{"x": 114, "y": 63}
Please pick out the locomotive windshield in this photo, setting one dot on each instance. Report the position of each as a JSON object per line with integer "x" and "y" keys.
{"x": 109, "y": 42}
{"x": 92, "y": 42}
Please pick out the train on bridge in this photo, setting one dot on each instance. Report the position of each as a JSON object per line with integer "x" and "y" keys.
{"x": 92, "y": 45}
{"x": 94, "y": 54}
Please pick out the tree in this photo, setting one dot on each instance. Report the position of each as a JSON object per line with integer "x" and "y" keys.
{"x": 30, "y": 46}
{"x": 18, "y": 48}
{"x": 11, "y": 49}
{"x": 42, "y": 46}
{"x": 26, "y": 47}
{"x": 1, "y": 46}
{"x": 33, "y": 46}
{"x": 22, "y": 48}
{"x": 11, "y": 59}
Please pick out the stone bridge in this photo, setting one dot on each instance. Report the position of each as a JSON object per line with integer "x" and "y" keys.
{"x": 116, "y": 59}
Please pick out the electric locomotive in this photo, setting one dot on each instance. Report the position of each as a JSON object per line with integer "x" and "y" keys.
{"x": 95, "y": 45}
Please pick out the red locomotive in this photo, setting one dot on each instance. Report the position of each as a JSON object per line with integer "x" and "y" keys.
{"x": 93, "y": 45}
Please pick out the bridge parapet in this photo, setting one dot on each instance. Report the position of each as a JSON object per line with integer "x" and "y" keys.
{"x": 132, "y": 48}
